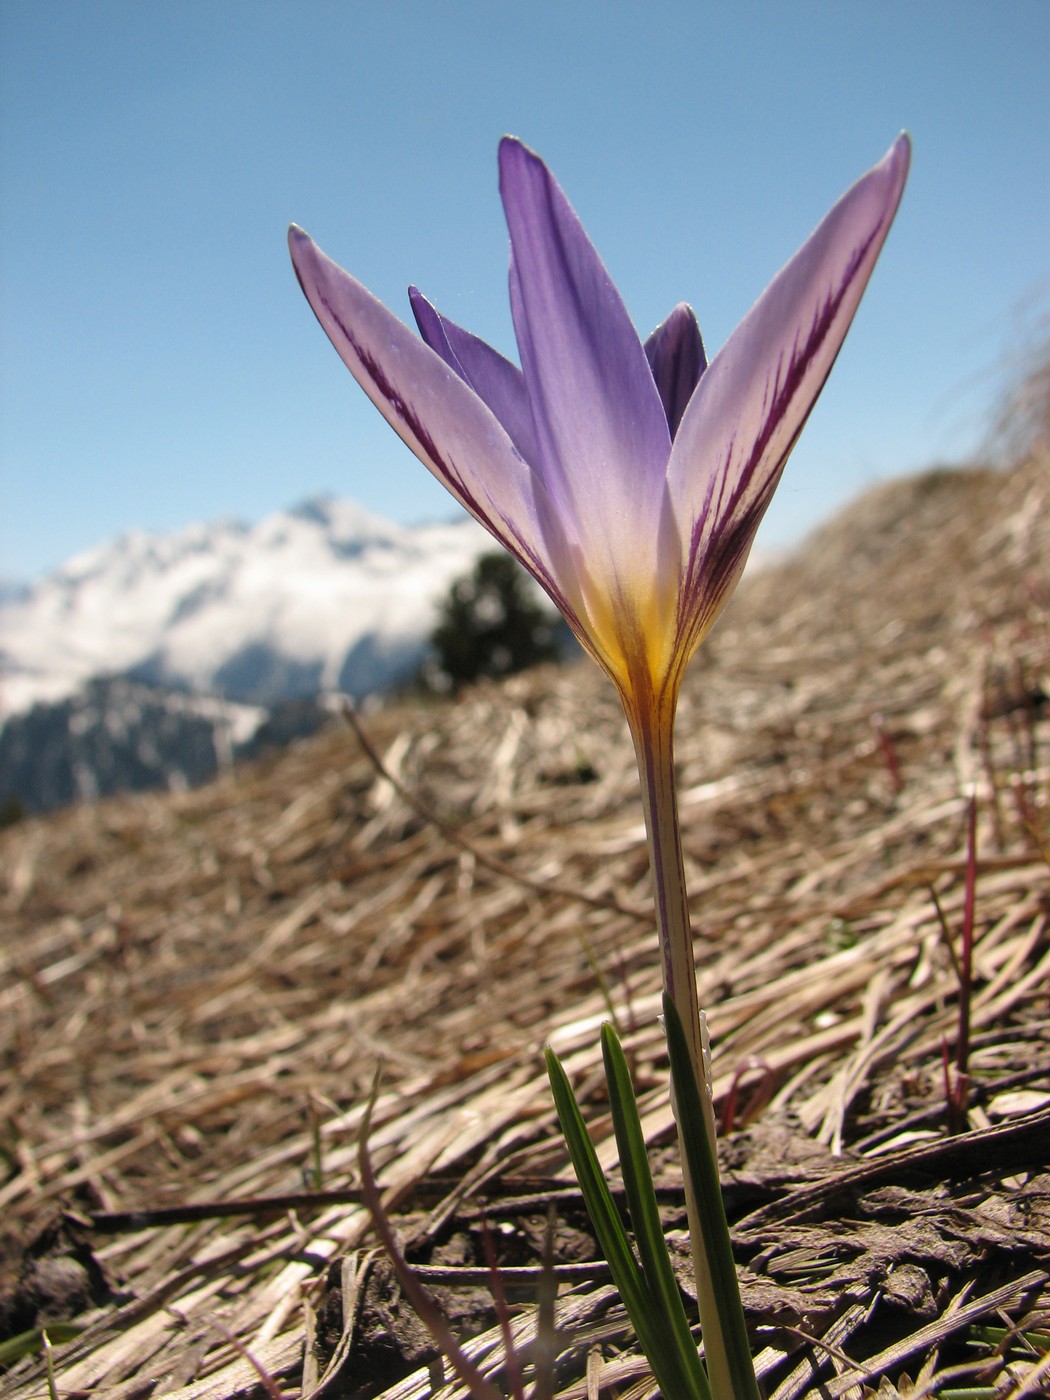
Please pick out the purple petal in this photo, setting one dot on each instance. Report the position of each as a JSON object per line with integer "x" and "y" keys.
{"x": 600, "y": 427}
{"x": 756, "y": 394}
{"x": 675, "y": 352}
{"x": 495, "y": 380}
{"x": 432, "y": 410}
{"x": 432, "y": 329}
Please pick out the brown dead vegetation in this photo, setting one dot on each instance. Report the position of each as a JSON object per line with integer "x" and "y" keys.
{"x": 196, "y": 990}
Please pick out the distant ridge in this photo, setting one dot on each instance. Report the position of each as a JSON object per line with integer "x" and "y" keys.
{"x": 323, "y": 596}
{"x": 155, "y": 660}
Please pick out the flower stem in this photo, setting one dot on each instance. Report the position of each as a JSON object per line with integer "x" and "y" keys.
{"x": 653, "y": 734}
{"x": 654, "y": 750}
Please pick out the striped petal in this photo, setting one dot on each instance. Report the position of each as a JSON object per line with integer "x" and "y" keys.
{"x": 755, "y": 396}
{"x": 434, "y": 412}
{"x": 495, "y": 380}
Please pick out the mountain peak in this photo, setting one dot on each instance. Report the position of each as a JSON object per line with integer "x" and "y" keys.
{"x": 322, "y": 596}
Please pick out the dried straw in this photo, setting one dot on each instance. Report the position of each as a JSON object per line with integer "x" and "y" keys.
{"x": 197, "y": 988}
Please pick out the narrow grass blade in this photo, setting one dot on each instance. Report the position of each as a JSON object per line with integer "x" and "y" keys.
{"x": 703, "y": 1170}
{"x": 645, "y": 1214}
{"x": 642, "y": 1308}
{"x": 29, "y": 1343}
{"x": 600, "y": 1205}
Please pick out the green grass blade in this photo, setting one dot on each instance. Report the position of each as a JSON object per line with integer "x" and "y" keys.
{"x": 645, "y": 1214}
{"x": 703, "y": 1171}
{"x": 646, "y": 1318}
{"x": 29, "y": 1343}
{"x": 600, "y": 1205}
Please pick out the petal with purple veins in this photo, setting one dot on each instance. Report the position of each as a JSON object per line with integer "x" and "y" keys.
{"x": 756, "y": 394}
{"x": 434, "y": 412}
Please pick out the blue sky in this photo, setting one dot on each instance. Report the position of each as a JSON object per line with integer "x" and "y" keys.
{"x": 160, "y": 366}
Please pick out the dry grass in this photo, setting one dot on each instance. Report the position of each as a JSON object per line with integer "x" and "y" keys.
{"x": 196, "y": 990}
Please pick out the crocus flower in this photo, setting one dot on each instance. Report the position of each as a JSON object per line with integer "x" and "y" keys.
{"x": 628, "y": 478}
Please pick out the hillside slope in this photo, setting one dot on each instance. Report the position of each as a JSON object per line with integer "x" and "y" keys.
{"x": 197, "y": 989}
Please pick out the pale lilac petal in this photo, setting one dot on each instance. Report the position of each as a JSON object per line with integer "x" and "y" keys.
{"x": 601, "y": 431}
{"x": 753, "y": 399}
{"x": 432, "y": 410}
{"x": 494, "y": 379}
{"x": 675, "y": 352}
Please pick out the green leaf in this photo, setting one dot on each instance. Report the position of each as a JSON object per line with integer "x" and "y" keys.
{"x": 643, "y": 1309}
{"x": 645, "y": 1214}
{"x": 707, "y": 1189}
{"x": 27, "y": 1343}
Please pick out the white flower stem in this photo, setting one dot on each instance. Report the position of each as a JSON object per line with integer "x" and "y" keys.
{"x": 653, "y": 736}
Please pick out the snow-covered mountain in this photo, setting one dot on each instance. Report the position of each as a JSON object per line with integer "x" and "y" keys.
{"x": 321, "y": 597}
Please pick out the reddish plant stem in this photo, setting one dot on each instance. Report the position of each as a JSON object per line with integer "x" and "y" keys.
{"x": 962, "y": 1046}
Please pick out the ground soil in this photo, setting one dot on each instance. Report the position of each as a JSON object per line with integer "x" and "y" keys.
{"x": 198, "y": 988}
